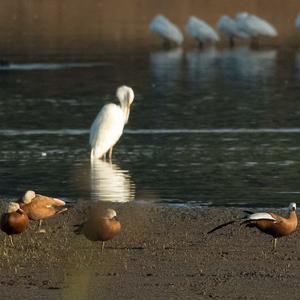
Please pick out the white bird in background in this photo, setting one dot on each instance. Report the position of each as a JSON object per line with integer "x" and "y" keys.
{"x": 297, "y": 22}
{"x": 108, "y": 126}
{"x": 166, "y": 30}
{"x": 201, "y": 31}
{"x": 254, "y": 26}
{"x": 228, "y": 27}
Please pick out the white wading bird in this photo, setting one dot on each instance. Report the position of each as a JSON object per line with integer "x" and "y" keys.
{"x": 108, "y": 126}
{"x": 254, "y": 26}
{"x": 228, "y": 27}
{"x": 201, "y": 31}
{"x": 166, "y": 30}
{"x": 297, "y": 21}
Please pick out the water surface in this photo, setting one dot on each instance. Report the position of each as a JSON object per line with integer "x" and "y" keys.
{"x": 208, "y": 127}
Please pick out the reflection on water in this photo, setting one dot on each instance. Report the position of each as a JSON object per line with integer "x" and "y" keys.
{"x": 241, "y": 63}
{"x": 252, "y": 63}
{"x": 166, "y": 68}
{"x": 47, "y": 66}
{"x": 110, "y": 183}
{"x": 201, "y": 64}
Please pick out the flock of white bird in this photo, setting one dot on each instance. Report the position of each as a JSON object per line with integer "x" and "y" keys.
{"x": 244, "y": 25}
{"x": 108, "y": 126}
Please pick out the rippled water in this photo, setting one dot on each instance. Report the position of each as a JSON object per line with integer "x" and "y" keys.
{"x": 209, "y": 127}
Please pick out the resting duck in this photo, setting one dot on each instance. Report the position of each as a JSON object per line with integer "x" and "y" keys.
{"x": 14, "y": 221}
{"x": 39, "y": 207}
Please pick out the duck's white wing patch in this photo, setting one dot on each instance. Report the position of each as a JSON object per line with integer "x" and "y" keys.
{"x": 261, "y": 216}
{"x": 59, "y": 202}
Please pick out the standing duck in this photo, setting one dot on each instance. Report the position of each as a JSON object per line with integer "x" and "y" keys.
{"x": 14, "y": 221}
{"x": 269, "y": 223}
{"x": 101, "y": 226}
{"x": 39, "y": 207}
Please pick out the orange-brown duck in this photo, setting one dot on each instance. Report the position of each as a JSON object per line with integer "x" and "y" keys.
{"x": 14, "y": 221}
{"x": 101, "y": 226}
{"x": 39, "y": 207}
{"x": 270, "y": 223}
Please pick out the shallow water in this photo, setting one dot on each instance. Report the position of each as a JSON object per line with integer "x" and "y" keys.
{"x": 210, "y": 127}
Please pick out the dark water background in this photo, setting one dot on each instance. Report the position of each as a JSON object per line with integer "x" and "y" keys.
{"x": 207, "y": 127}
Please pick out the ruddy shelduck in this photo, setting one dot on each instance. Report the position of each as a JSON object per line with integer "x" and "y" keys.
{"x": 39, "y": 207}
{"x": 14, "y": 221}
{"x": 269, "y": 223}
{"x": 101, "y": 226}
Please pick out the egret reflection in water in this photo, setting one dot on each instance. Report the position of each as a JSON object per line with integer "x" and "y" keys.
{"x": 251, "y": 64}
{"x": 200, "y": 64}
{"x": 166, "y": 68}
{"x": 236, "y": 65}
{"x": 110, "y": 183}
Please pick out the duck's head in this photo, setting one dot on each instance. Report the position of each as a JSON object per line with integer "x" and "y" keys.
{"x": 109, "y": 214}
{"x": 292, "y": 206}
{"x": 28, "y": 196}
{"x": 14, "y": 207}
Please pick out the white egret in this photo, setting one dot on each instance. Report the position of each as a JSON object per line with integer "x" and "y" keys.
{"x": 254, "y": 26}
{"x": 166, "y": 30}
{"x": 228, "y": 27}
{"x": 201, "y": 31}
{"x": 297, "y": 21}
{"x": 108, "y": 126}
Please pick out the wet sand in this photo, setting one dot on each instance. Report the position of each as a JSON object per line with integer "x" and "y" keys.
{"x": 162, "y": 253}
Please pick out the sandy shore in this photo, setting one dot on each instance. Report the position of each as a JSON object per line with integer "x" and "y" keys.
{"x": 162, "y": 253}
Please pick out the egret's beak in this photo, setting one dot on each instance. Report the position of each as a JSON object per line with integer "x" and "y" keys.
{"x": 127, "y": 111}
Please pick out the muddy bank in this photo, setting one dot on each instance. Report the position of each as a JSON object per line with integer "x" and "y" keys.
{"x": 162, "y": 253}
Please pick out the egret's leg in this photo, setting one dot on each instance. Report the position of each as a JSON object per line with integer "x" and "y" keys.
{"x": 166, "y": 44}
{"x": 104, "y": 157}
{"x": 110, "y": 153}
{"x": 254, "y": 44}
{"x": 102, "y": 248}
{"x": 200, "y": 44}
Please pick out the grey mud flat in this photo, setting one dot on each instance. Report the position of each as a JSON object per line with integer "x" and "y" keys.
{"x": 162, "y": 253}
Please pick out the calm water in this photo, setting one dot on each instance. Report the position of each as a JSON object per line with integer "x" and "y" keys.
{"x": 210, "y": 127}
